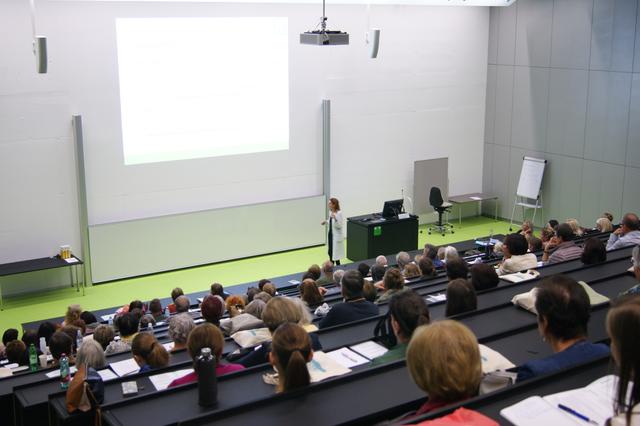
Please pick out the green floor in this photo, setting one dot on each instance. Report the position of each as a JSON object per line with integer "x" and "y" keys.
{"x": 18, "y": 310}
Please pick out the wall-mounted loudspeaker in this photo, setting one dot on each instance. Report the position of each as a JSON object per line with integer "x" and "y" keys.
{"x": 373, "y": 40}
{"x": 40, "y": 50}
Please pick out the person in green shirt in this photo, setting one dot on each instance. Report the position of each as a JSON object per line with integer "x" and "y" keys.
{"x": 407, "y": 311}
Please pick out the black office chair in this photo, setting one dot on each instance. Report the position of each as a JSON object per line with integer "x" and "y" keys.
{"x": 439, "y": 205}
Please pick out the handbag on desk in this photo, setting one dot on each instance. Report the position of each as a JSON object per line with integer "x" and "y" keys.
{"x": 86, "y": 393}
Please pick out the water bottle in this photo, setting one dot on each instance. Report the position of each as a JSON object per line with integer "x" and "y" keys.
{"x": 150, "y": 328}
{"x": 205, "y": 367}
{"x": 43, "y": 346}
{"x": 65, "y": 377}
{"x": 78, "y": 340}
{"x": 33, "y": 358}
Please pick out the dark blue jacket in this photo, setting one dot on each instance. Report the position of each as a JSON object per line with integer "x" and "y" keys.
{"x": 345, "y": 312}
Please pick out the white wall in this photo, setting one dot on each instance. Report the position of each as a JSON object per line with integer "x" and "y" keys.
{"x": 423, "y": 98}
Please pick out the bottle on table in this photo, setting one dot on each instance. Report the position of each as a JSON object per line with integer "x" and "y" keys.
{"x": 78, "y": 340}
{"x": 43, "y": 345}
{"x": 65, "y": 376}
{"x": 205, "y": 367}
{"x": 33, "y": 358}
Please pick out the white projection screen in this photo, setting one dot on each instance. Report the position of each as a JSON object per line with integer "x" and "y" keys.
{"x": 202, "y": 87}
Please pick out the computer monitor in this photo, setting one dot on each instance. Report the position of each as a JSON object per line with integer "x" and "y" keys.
{"x": 392, "y": 208}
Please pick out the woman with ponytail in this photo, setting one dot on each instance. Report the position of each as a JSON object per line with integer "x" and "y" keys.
{"x": 623, "y": 323}
{"x": 290, "y": 353}
{"x": 148, "y": 352}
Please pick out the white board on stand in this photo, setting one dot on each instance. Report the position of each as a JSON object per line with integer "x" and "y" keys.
{"x": 531, "y": 177}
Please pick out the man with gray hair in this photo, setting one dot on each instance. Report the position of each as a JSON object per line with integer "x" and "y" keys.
{"x": 327, "y": 274}
{"x": 381, "y": 260}
{"x": 337, "y": 276}
{"x": 628, "y": 234}
{"x": 403, "y": 259}
{"x": 182, "y": 304}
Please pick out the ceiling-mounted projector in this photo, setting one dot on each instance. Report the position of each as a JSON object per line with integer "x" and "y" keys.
{"x": 324, "y": 37}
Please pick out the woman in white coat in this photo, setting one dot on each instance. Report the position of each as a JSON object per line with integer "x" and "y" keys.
{"x": 335, "y": 241}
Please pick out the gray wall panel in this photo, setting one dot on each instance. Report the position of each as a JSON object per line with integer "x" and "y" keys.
{"x": 601, "y": 184}
{"x": 607, "y": 116}
{"x": 571, "y": 33}
{"x": 500, "y": 178}
{"x": 493, "y": 36}
{"x": 530, "y": 97}
{"x": 490, "y": 107}
{"x": 563, "y": 177}
{"x": 487, "y": 167}
{"x": 567, "y": 111}
{"x": 613, "y": 35}
{"x": 631, "y": 191}
{"x": 506, "y": 35}
{"x": 504, "y": 105}
{"x": 533, "y": 33}
{"x": 636, "y": 55}
{"x": 633, "y": 141}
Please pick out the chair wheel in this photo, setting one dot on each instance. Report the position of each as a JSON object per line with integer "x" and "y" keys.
{"x": 452, "y": 231}
{"x": 429, "y": 232}
{"x": 443, "y": 235}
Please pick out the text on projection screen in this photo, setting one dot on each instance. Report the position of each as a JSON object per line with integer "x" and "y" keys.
{"x": 202, "y": 87}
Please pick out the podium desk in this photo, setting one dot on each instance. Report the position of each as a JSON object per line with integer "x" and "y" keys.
{"x": 371, "y": 235}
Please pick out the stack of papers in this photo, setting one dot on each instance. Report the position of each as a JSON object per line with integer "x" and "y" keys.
{"x": 322, "y": 367}
{"x": 162, "y": 381}
{"x": 126, "y": 367}
{"x": 370, "y": 349}
{"x": 347, "y": 358}
{"x": 107, "y": 375}
{"x": 594, "y": 402}
{"x": 520, "y": 277}
{"x": 434, "y": 298}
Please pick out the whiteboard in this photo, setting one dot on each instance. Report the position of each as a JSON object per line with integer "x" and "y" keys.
{"x": 531, "y": 177}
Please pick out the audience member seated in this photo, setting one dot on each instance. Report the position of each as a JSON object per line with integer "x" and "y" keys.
{"x": 483, "y": 277}
{"x": 218, "y": 290}
{"x": 635, "y": 260}
{"x": 377, "y": 273}
{"x": 278, "y": 311}
{"x": 179, "y": 328}
{"x": 175, "y": 293}
{"x": 563, "y": 246}
{"x": 337, "y": 276}
{"x": 457, "y": 268}
{"x": 526, "y": 229}
{"x": 235, "y": 304}
{"x": 381, "y": 260}
{"x": 72, "y": 314}
{"x": 61, "y": 343}
{"x": 91, "y": 355}
{"x": 306, "y": 319}
{"x": 90, "y": 359}
{"x": 364, "y": 269}
{"x": 461, "y": 297}
{"x": 411, "y": 270}
{"x": 402, "y": 259}
{"x": 262, "y": 282}
{"x": 327, "y": 274}
{"x": 212, "y": 309}
{"x": 137, "y": 304}
{"x": 72, "y": 332}
{"x": 249, "y": 319}
{"x": 450, "y": 254}
{"x": 30, "y": 337}
{"x": 430, "y": 251}
{"x": 354, "y": 307}
{"x": 604, "y": 225}
{"x": 369, "y": 291}
{"x": 516, "y": 257}
{"x": 146, "y": 321}
{"x": 310, "y": 294}
{"x": 535, "y": 244}
{"x": 552, "y": 225}
{"x": 575, "y": 227}
{"x": 609, "y": 216}
{"x": 291, "y": 351}
{"x": 623, "y": 323}
{"x": 156, "y": 310}
{"x": 443, "y": 359}
{"x": 594, "y": 252}
{"x": 392, "y": 283}
{"x": 270, "y": 289}
{"x": 251, "y": 293}
{"x": 46, "y": 330}
{"x": 90, "y": 321}
{"x": 206, "y": 336}
{"x": 15, "y": 351}
{"x": 128, "y": 327}
{"x": 313, "y": 272}
{"x": 427, "y": 268}
{"x": 628, "y": 234}
{"x": 264, "y": 296}
{"x": 407, "y": 311}
{"x": 104, "y": 334}
{"x": 148, "y": 353}
{"x": 182, "y": 304}
{"x": 563, "y": 314}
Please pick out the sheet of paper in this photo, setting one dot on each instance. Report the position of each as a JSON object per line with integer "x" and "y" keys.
{"x": 492, "y": 360}
{"x": 347, "y": 358}
{"x": 5, "y": 372}
{"x": 107, "y": 317}
{"x": 168, "y": 346}
{"x": 476, "y": 198}
{"x": 433, "y": 298}
{"x": 12, "y": 365}
{"x": 535, "y": 411}
{"x": 123, "y": 368}
{"x": 162, "y": 381}
{"x": 107, "y": 374}
{"x": 4, "y": 361}
{"x": 594, "y": 401}
{"x": 370, "y": 349}
{"x": 323, "y": 367}
{"x": 198, "y": 321}
{"x": 71, "y": 260}
{"x": 56, "y": 372}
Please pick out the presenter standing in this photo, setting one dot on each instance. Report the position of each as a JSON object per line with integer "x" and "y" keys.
{"x": 335, "y": 241}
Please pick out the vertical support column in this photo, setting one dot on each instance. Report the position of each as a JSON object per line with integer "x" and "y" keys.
{"x": 82, "y": 198}
{"x": 326, "y": 154}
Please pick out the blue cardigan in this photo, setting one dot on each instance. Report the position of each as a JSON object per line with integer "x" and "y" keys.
{"x": 577, "y": 353}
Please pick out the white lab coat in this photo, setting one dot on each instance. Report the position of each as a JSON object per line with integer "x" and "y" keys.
{"x": 337, "y": 231}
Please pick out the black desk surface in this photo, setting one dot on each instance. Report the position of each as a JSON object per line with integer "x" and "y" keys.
{"x": 33, "y": 265}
